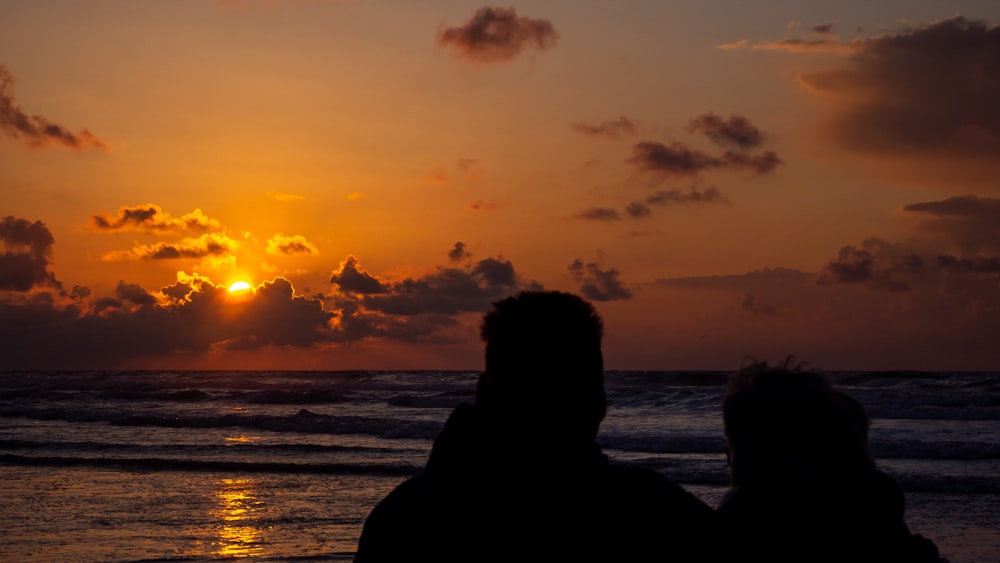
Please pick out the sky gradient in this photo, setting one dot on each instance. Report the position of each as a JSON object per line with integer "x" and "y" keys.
{"x": 722, "y": 179}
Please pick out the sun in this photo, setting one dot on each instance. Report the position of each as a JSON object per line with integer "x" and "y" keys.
{"x": 239, "y": 287}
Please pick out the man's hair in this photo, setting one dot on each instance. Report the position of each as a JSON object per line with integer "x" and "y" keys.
{"x": 543, "y": 358}
{"x": 780, "y": 417}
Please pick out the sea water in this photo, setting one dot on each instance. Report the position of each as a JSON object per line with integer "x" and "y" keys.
{"x": 284, "y": 466}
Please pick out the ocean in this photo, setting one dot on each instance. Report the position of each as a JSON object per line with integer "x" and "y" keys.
{"x": 284, "y": 466}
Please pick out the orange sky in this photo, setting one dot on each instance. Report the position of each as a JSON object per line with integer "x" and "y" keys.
{"x": 721, "y": 179}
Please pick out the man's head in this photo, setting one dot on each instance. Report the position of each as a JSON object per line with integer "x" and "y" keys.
{"x": 543, "y": 363}
{"x": 781, "y": 418}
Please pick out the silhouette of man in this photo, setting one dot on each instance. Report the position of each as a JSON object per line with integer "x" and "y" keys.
{"x": 804, "y": 487}
{"x": 518, "y": 476}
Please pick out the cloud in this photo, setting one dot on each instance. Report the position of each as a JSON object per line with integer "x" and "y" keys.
{"x": 641, "y": 209}
{"x": 449, "y": 291}
{"x": 969, "y": 220}
{"x": 36, "y": 130}
{"x": 678, "y": 159}
{"x": 197, "y": 318}
{"x": 737, "y": 131}
{"x": 597, "y": 284}
{"x": 796, "y": 45}
{"x": 693, "y": 195}
{"x": 483, "y": 205}
{"x": 207, "y": 245}
{"x": 969, "y": 264}
{"x": 637, "y": 210}
{"x": 459, "y": 252}
{"x": 927, "y": 90}
{"x": 756, "y": 281}
{"x": 353, "y": 279}
{"x": 151, "y": 218}
{"x": 496, "y": 35}
{"x": 599, "y": 214}
{"x": 134, "y": 293}
{"x": 296, "y": 244}
{"x": 437, "y": 177}
{"x": 753, "y": 305}
{"x": 470, "y": 168}
{"x": 621, "y": 127}
{"x": 282, "y": 196}
{"x": 878, "y": 264}
{"x": 823, "y": 28}
{"x": 26, "y": 248}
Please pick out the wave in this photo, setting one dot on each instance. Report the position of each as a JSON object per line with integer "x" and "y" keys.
{"x": 171, "y": 464}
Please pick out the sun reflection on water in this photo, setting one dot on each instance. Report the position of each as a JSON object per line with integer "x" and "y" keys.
{"x": 239, "y": 511}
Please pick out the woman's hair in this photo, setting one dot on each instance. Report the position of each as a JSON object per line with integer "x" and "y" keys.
{"x": 785, "y": 419}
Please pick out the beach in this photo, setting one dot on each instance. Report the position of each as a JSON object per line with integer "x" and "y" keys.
{"x": 280, "y": 466}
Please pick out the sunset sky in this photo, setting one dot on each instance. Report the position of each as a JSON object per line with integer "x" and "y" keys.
{"x": 721, "y": 178}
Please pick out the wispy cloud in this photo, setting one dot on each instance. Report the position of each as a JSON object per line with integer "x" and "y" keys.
{"x": 36, "y": 130}
{"x": 615, "y": 129}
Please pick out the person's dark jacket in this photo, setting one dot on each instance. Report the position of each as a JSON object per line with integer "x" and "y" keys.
{"x": 801, "y": 516}
{"x": 492, "y": 494}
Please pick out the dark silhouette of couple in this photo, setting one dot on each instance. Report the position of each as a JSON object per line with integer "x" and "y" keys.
{"x": 518, "y": 475}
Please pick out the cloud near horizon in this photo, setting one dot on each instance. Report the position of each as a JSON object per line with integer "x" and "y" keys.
{"x": 27, "y": 249}
{"x": 497, "y": 35}
{"x": 36, "y": 130}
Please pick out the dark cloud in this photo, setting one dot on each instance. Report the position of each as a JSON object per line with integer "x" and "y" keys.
{"x": 106, "y": 332}
{"x": 205, "y": 246}
{"x": 599, "y": 214}
{"x": 927, "y": 90}
{"x": 641, "y": 209}
{"x": 678, "y": 159}
{"x": 26, "y": 248}
{"x": 823, "y": 28}
{"x": 296, "y": 244}
{"x": 971, "y": 221}
{"x": 751, "y": 304}
{"x": 450, "y": 291}
{"x": 152, "y": 218}
{"x": 621, "y": 127}
{"x": 878, "y": 264}
{"x": 969, "y": 264}
{"x": 637, "y": 210}
{"x": 737, "y": 131}
{"x": 481, "y": 205}
{"x": 693, "y": 195}
{"x": 352, "y": 279}
{"x": 597, "y": 284}
{"x": 495, "y": 35}
{"x": 133, "y": 293}
{"x": 757, "y": 281}
{"x": 459, "y": 252}
{"x": 79, "y": 292}
{"x": 36, "y": 130}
